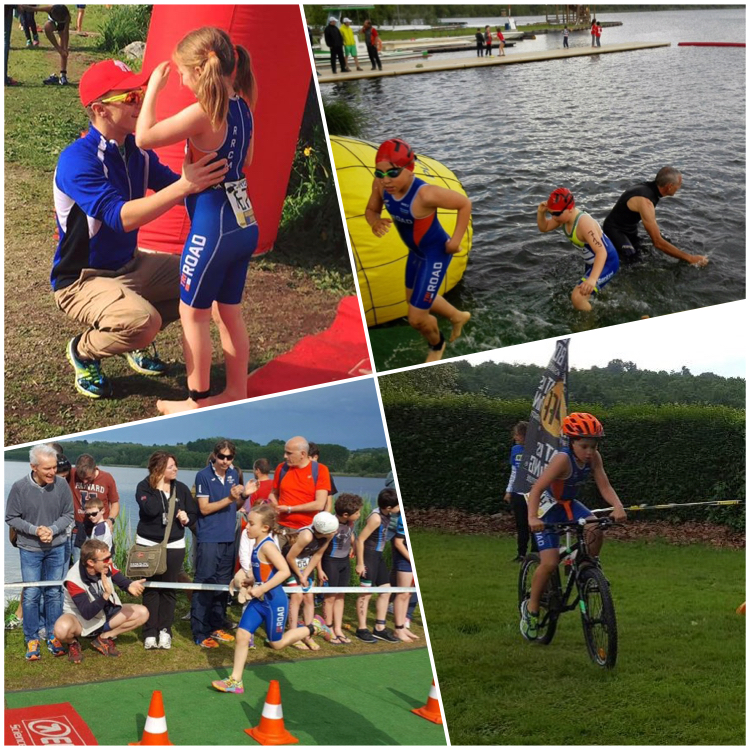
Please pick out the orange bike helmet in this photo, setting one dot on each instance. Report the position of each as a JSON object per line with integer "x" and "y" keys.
{"x": 581, "y": 424}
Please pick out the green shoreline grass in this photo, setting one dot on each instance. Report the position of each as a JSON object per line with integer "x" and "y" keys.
{"x": 680, "y": 674}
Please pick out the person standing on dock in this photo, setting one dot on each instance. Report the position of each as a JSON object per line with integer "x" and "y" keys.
{"x": 371, "y": 42}
{"x": 566, "y": 34}
{"x": 413, "y": 205}
{"x": 487, "y": 41}
{"x": 639, "y": 204}
{"x": 593, "y": 33}
{"x": 335, "y": 43}
{"x": 350, "y": 43}
{"x": 500, "y": 42}
{"x": 598, "y": 34}
{"x": 480, "y": 43}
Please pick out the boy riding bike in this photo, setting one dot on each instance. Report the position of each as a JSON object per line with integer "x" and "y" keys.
{"x": 553, "y": 499}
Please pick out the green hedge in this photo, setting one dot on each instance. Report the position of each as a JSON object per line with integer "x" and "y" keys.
{"x": 452, "y": 452}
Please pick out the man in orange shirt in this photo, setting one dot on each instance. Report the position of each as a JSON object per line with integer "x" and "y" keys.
{"x": 296, "y": 493}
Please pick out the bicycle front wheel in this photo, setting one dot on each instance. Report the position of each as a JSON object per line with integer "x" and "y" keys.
{"x": 598, "y": 617}
{"x": 548, "y": 611}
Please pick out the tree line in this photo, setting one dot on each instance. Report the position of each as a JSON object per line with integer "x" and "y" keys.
{"x": 620, "y": 382}
{"x": 194, "y": 455}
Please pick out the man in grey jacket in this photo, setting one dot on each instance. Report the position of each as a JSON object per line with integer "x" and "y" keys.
{"x": 40, "y": 508}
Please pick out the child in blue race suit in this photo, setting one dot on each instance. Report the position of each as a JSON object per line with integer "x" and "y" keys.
{"x": 413, "y": 205}
{"x": 268, "y": 605}
{"x": 223, "y": 230}
{"x": 599, "y": 254}
{"x": 553, "y": 500}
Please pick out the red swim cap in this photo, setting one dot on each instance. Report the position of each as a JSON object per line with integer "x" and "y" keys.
{"x": 397, "y": 152}
{"x": 560, "y": 200}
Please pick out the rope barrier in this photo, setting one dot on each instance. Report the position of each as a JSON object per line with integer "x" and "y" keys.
{"x": 665, "y": 506}
{"x": 361, "y": 590}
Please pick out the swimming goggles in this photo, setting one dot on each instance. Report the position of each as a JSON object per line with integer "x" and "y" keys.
{"x": 129, "y": 97}
{"x": 393, "y": 172}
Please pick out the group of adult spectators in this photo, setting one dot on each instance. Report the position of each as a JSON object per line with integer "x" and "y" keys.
{"x": 343, "y": 43}
{"x": 54, "y": 513}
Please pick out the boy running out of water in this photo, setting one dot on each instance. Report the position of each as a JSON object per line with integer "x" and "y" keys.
{"x": 413, "y": 206}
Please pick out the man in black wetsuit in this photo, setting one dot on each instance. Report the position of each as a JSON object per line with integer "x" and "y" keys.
{"x": 639, "y": 204}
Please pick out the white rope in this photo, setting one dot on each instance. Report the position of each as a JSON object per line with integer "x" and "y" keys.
{"x": 361, "y": 590}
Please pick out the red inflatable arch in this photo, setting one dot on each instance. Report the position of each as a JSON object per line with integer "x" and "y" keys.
{"x": 276, "y": 40}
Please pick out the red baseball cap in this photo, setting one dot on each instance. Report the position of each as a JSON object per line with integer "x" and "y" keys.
{"x": 108, "y": 75}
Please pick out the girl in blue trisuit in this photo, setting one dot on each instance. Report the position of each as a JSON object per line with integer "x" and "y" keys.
{"x": 413, "y": 205}
{"x": 223, "y": 232}
{"x": 599, "y": 254}
{"x": 553, "y": 499}
{"x": 268, "y": 605}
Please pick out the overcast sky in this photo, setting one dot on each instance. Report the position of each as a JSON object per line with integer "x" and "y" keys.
{"x": 343, "y": 413}
{"x": 713, "y": 339}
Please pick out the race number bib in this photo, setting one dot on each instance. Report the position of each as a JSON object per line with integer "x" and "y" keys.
{"x": 240, "y": 202}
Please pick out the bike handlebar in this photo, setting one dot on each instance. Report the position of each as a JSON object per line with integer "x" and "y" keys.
{"x": 602, "y": 522}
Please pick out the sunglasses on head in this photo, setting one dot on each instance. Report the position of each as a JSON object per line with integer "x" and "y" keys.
{"x": 129, "y": 97}
{"x": 224, "y": 457}
{"x": 393, "y": 172}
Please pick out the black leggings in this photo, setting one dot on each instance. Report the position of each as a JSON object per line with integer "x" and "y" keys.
{"x": 29, "y": 25}
{"x": 161, "y": 603}
{"x": 521, "y": 514}
{"x": 372, "y": 51}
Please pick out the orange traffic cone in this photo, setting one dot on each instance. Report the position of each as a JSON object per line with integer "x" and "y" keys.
{"x": 271, "y": 730}
{"x": 430, "y": 711}
{"x": 155, "y": 731}
{"x": 741, "y": 609}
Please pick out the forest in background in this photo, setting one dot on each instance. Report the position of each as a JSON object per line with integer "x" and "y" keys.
{"x": 194, "y": 454}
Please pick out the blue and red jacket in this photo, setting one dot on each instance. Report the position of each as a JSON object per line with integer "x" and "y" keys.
{"x": 92, "y": 182}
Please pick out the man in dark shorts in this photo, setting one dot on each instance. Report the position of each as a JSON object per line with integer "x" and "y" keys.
{"x": 639, "y": 204}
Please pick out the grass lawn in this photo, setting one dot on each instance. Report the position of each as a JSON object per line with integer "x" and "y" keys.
{"x": 291, "y": 293}
{"x": 680, "y": 674}
{"x": 183, "y": 656}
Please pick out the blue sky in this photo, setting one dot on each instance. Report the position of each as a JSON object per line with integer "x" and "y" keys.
{"x": 344, "y": 413}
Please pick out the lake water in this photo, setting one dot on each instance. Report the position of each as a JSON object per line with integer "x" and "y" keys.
{"x": 127, "y": 480}
{"x": 597, "y": 125}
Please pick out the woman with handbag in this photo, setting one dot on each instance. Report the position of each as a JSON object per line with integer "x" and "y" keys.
{"x": 162, "y": 503}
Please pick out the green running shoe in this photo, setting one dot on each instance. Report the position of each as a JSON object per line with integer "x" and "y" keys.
{"x": 529, "y": 622}
{"x": 90, "y": 380}
{"x": 146, "y": 361}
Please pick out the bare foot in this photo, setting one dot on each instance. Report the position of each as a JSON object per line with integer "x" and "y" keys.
{"x": 436, "y": 356}
{"x": 175, "y": 407}
{"x": 411, "y": 635}
{"x": 222, "y": 398}
{"x": 401, "y": 635}
{"x": 458, "y": 325}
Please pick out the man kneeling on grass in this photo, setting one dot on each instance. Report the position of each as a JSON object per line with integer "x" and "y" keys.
{"x": 92, "y": 608}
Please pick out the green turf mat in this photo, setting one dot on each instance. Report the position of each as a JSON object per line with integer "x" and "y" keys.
{"x": 357, "y": 700}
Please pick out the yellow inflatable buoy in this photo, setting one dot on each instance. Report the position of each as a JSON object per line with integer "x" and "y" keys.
{"x": 381, "y": 262}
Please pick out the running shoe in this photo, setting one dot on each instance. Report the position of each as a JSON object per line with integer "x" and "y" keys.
{"x": 207, "y": 643}
{"x": 320, "y": 628}
{"x": 385, "y": 635}
{"x": 529, "y": 622}
{"x": 146, "y": 361}
{"x": 55, "y": 647}
{"x": 74, "y": 653}
{"x": 365, "y": 635}
{"x": 32, "y": 651}
{"x": 36, "y": 41}
{"x": 228, "y": 686}
{"x": 223, "y": 636}
{"x": 52, "y": 80}
{"x": 165, "y": 640}
{"x": 63, "y": 79}
{"x": 28, "y": 43}
{"x": 89, "y": 380}
{"x": 150, "y": 643}
{"x": 12, "y": 622}
{"x": 105, "y": 646}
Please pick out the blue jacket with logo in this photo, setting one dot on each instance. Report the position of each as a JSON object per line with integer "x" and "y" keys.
{"x": 92, "y": 181}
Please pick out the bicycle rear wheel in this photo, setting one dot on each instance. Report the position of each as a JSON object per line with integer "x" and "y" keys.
{"x": 598, "y": 617}
{"x": 548, "y": 611}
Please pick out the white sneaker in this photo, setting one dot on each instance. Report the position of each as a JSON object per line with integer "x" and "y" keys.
{"x": 149, "y": 643}
{"x": 165, "y": 640}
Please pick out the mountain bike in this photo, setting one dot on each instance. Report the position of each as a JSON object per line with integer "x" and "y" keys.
{"x": 585, "y": 588}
